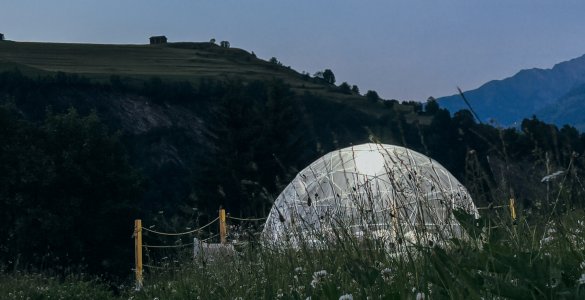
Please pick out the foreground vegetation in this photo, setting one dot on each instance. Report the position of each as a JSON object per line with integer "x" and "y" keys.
{"x": 513, "y": 262}
{"x": 538, "y": 255}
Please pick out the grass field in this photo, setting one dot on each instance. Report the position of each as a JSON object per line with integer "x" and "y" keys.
{"x": 94, "y": 60}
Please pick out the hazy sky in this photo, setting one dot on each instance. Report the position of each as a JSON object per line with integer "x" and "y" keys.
{"x": 408, "y": 50}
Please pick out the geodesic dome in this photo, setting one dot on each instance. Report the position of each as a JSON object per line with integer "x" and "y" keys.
{"x": 384, "y": 191}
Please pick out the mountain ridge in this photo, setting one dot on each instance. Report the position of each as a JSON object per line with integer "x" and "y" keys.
{"x": 526, "y": 93}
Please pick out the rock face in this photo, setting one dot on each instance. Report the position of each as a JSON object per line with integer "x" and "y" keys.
{"x": 529, "y": 92}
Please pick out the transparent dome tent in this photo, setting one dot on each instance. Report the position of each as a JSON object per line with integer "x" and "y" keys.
{"x": 384, "y": 191}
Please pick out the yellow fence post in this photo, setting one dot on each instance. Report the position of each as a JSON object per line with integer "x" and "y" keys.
{"x": 512, "y": 208}
{"x": 222, "y": 226}
{"x": 138, "y": 252}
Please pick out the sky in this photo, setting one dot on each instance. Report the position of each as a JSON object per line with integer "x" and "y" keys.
{"x": 405, "y": 50}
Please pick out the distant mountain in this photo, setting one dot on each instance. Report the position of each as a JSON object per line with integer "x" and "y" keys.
{"x": 569, "y": 109}
{"x": 547, "y": 93}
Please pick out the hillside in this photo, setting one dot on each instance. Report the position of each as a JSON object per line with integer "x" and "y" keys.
{"x": 184, "y": 61}
{"x": 528, "y": 92}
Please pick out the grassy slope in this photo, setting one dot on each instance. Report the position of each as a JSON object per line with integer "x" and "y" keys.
{"x": 174, "y": 61}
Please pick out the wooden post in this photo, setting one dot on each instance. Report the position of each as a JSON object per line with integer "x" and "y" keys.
{"x": 222, "y": 226}
{"x": 512, "y": 208}
{"x": 138, "y": 252}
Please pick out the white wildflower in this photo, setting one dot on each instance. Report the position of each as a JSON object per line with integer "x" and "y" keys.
{"x": 298, "y": 269}
{"x": 346, "y": 297}
{"x": 387, "y": 274}
{"x": 553, "y": 283}
{"x": 420, "y": 296}
{"x": 546, "y": 240}
{"x": 318, "y": 277}
{"x": 581, "y": 280}
{"x": 582, "y": 265}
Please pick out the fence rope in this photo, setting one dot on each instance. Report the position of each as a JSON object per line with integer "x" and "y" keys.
{"x": 181, "y": 233}
{"x": 207, "y": 239}
{"x": 246, "y": 219}
{"x": 167, "y": 246}
{"x": 492, "y": 207}
{"x": 154, "y": 267}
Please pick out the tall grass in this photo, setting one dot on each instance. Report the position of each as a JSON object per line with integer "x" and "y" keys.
{"x": 42, "y": 286}
{"x": 538, "y": 255}
{"x": 523, "y": 261}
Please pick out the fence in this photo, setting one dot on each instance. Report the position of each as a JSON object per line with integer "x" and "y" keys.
{"x": 139, "y": 245}
{"x": 511, "y": 206}
{"x": 223, "y": 232}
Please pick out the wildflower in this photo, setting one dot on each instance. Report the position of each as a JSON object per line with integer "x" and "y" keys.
{"x": 318, "y": 277}
{"x": 553, "y": 283}
{"x": 387, "y": 274}
{"x": 546, "y": 240}
{"x": 161, "y": 212}
{"x": 420, "y": 296}
{"x": 582, "y": 265}
{"x": 581, "y": 280}
{"x": 346, "y": 297}
{"x": 298, "y": 269}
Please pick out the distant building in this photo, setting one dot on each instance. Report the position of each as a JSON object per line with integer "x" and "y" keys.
{"x": 1, "y": 36}
{"x": 155, "y": 40}
{"x": 224, "y": 44}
